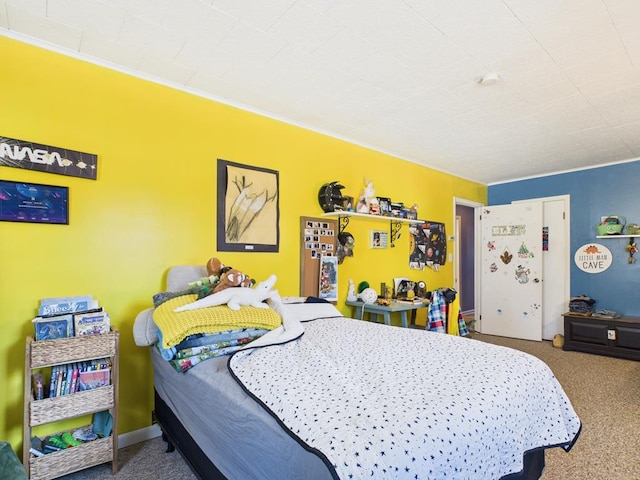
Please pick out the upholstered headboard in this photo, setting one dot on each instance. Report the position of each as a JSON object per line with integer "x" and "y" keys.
{"x": 178, "y": 277}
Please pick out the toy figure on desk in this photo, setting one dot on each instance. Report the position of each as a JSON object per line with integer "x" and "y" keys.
{"x": 351, "y": 294}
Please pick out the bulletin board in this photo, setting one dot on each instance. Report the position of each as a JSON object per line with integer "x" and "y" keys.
{"x": 318, "y": 238}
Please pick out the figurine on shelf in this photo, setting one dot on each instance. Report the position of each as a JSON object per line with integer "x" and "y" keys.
{"x": 374, "y": 206}
{"x": 348, "y": 204}
{"x": 330, "y": 197}
{"x": 367, "y": 196}
{"x": 412, "y": 214}
{"x": 631, "y": 249}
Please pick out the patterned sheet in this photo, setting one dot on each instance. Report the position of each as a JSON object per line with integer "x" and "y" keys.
{"x": 386, "y": 402}
{"x": 190, "y": 357}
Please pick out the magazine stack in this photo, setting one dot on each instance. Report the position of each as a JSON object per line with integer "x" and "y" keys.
{"x": 62, "y": 317}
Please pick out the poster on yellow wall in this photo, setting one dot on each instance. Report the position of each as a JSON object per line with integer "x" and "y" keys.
{"x": 328, "y": 278}
{"x": 33, "y": 202}
{"x": 428, "y": 245}
{"x": 248, "y": 208}
{"x": 45, "y": 158}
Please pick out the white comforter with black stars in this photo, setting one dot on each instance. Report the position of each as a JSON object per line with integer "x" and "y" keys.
{"x": 376, "y": 401}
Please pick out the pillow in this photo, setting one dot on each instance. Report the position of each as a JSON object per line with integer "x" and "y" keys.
{"x": 176, "y": 326}
{"x": 293, "y": 299}
{"x": 180, "y": 276}
{"x": 316, "y": 300}
{"x": 304, "y": 312}
{"x": 145, "y": 332}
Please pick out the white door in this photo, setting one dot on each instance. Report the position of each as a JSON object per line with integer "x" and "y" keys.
{"x": 555, "y": 259}
{"x": 511, "y": 270}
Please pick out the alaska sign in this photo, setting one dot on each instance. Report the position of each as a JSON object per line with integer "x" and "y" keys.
{"x": 44, "y": 158}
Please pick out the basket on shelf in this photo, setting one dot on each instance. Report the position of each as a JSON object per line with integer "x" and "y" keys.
{"x": 611, "y": 225}
{"x": 633, "y": 229}
{"x": 70, "y": 460}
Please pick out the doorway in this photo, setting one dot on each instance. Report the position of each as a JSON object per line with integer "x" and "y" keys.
{"x": 465, "y": 274}
{"x": 555, "y": 294}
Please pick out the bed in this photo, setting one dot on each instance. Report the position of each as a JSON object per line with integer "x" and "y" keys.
{"x": 329, "y": 397}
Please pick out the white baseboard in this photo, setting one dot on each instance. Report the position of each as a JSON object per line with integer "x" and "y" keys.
{"x": 137, "y": 436}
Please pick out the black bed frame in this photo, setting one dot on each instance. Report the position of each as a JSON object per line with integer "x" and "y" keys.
{"x": 179, "y": 439}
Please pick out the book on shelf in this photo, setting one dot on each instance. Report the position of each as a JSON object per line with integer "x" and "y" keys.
{"x": 38, "y": 386}
{"x": 59, "y": 380}
{"x": 56, "y": 316}
{"x": 73, "y": 388}
{"x": 63, "y": 305}
{"x": 77, "y": 376}
{"x": 91, "y": 310}
{"x": 91, "y": 323}
{"x": 73, "y": 298}
{"x": 51, "y": 328}
{"x": 67, "y": 379}
{"x": 52, "y": 381}
{"x": 90, "y": 379}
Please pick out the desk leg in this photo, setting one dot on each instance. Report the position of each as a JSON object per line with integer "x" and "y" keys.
{"x": 403, "y": 317}
{"x": 387, "y": 318}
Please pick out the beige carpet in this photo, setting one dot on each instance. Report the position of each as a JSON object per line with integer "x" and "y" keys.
{"x": 605, "y": 393}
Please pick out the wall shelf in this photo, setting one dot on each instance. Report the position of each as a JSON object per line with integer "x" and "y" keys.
{"x": 395, "y": 223}
{"x": 616, "y": 236}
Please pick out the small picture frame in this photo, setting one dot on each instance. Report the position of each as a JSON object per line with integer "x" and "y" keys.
{"x": 385, "y": 206}
{"x": 33, "y": 203}
{"x": 347, "y": 204}
{"x": 379, "y": 239}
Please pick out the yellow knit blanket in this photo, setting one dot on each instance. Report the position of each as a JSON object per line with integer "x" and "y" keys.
{"x": 176, "y": 326}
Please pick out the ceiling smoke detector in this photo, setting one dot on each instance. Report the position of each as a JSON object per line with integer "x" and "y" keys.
{"x": 489, "y": 79}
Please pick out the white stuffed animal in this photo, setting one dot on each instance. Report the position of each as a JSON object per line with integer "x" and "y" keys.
{"x": 351, "y": 294}
{"x": 235, "y": 297}
{"x": 367, "y": 196}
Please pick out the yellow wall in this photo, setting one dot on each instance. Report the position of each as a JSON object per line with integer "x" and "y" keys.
{"x": 153, "y": 204}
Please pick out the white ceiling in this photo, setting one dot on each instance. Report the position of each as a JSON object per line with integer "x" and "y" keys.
{"x": 400, "y": 76}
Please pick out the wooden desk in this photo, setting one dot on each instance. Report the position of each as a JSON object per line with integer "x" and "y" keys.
{"x": 373, "y": 309}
